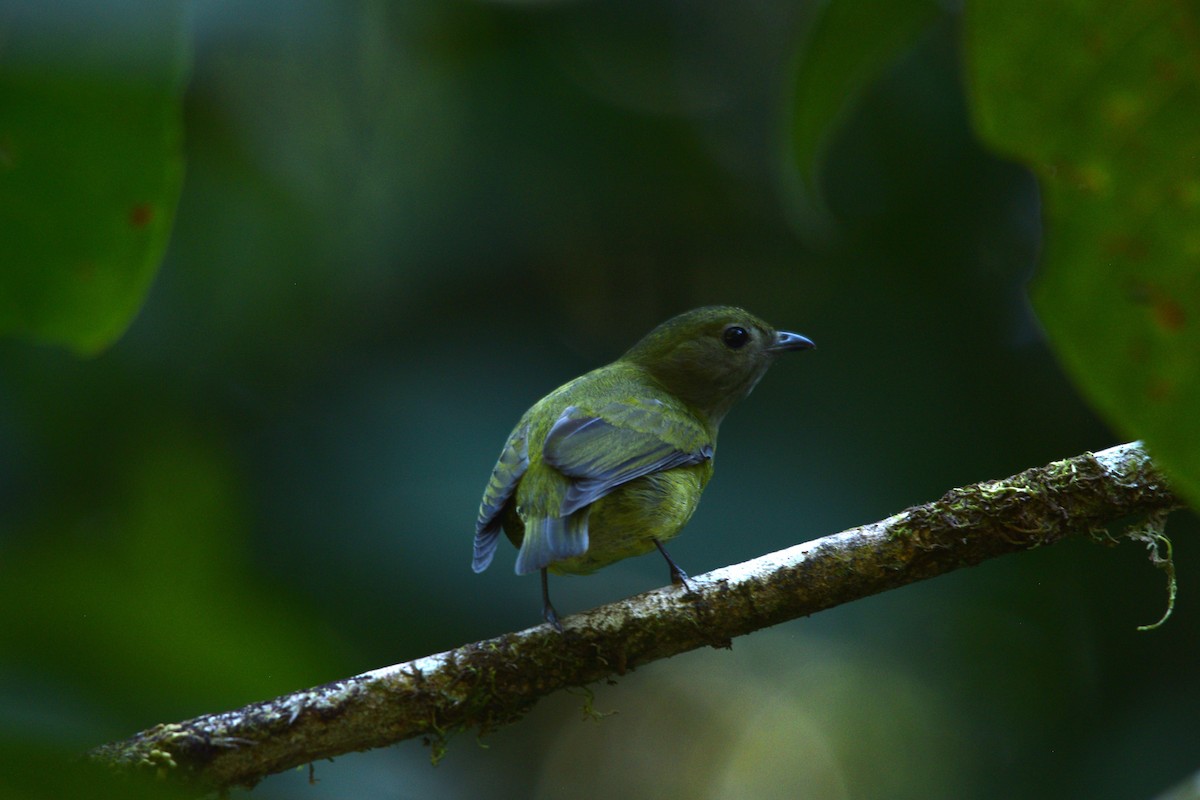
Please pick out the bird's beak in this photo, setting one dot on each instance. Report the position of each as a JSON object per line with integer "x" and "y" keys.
{"x": 785, "y": 340}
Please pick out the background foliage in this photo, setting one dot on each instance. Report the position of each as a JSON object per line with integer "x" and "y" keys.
{"x": 403, "y": 223}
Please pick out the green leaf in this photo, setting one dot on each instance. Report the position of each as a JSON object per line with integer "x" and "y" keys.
{"x": 847, "y": 49}
{"x": 1102, "y": 99}
{"x": 90, "y": 163}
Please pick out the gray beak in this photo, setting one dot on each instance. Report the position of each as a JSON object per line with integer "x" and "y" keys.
{"x": 785, "y": 340}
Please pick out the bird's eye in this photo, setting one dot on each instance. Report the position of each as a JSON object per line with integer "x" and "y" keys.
{"x": 735, "y": 337}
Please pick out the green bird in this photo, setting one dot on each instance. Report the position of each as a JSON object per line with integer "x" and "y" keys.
{"x": 612, "y": 464}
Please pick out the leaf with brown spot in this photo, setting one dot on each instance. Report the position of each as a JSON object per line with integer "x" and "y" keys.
{"x": 1100, "y": 101}
{"x": 91, "y": 163}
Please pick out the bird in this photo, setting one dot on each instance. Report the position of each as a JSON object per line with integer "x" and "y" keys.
{"x": 613, "y": 463}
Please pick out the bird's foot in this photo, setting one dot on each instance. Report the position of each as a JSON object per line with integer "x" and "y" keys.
{"x": 548, "y": 612}
{"x": 678, "y": 576}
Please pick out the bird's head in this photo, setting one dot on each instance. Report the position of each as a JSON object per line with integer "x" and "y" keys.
{"x": 712, "y": 357}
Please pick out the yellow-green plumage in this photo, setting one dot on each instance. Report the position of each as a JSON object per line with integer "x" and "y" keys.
{"x": 608, "y": 464}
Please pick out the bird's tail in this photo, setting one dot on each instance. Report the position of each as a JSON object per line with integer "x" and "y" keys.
{"x": 549, "y": 539}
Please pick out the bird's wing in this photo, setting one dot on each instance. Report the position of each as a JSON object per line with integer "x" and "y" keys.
{"x": 513, "y": 461}
{"x": 617, "y": 443}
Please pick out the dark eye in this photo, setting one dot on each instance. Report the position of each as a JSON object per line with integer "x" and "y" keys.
{"x": 735, "y": 337}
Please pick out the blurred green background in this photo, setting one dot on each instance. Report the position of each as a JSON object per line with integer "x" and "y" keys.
{"x": 400, "y": 225}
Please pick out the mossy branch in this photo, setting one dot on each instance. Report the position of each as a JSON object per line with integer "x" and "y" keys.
{"x": 494, "y": 682}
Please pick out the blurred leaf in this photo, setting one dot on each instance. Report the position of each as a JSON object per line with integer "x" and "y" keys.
{"x": 846, "y": 50}
{"x": 1101, "y": 99}
{"x": 90, "y": 163}
{"x": 156, "y": 607}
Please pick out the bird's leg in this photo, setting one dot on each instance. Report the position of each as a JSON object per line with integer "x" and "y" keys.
{"x": 548, "y": 612}
{"x": 678, "y": 576}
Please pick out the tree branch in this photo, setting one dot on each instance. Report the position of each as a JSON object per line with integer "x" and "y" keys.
{"x": 493, "y": 682}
